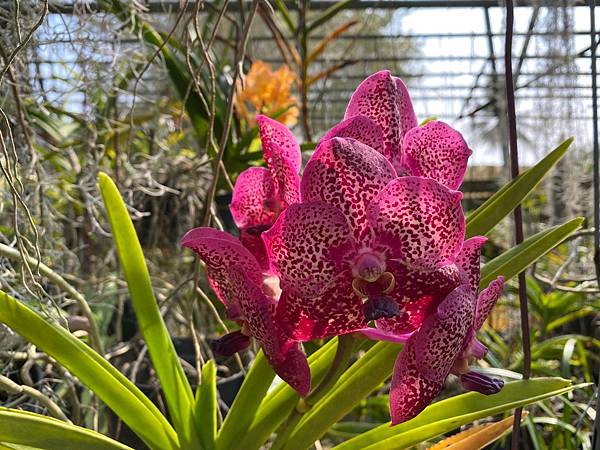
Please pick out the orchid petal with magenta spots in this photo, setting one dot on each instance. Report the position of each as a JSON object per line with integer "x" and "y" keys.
{"x": 360, "y": 128}
{"x": 237, "y": 279}
{"x": 420, "y": 220}
{"x": 428, "y": 356}
{"x": 307, "y": 246}
{"x": 385, "y": 99}
{"x": 346, "y": 174}
{"x": 436, "y": 150}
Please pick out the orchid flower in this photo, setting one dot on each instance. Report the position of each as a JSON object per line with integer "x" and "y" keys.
{"x": 380, "y": 114}
{"x": 260, "y": 194}
{"x": 250, "y": 299}
{"x": 363, "y": 245}
{"x": 446, "y": 343}
{"x": 379, "y": 235}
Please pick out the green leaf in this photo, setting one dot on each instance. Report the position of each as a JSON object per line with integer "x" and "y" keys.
{"x": 446, "y": 415}
{"x": 280, "y": 402}
{"x": 517, "y": 259}
{"x": 483, "y": 219}
{"x": 206, "y": 406}
{"x": 111, "y": 386}
{"x": 35, "y": 430}
{"x": 245, "y": 405}
{"x": 285, "y": 13}
{"x": 175, "y": 385}
{"x": 372, "y": 369}
{"x": 328, "y": 14}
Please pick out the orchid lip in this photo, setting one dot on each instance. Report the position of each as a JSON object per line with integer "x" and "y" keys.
{"x": 380, "y": 307}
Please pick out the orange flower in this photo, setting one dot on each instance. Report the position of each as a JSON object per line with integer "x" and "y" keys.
{"x": 267, "y": 92}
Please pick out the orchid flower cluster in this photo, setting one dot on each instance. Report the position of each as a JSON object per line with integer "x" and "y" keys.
{"x": 370, "y": 239}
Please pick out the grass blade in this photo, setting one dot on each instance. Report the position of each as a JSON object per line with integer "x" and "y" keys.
{"x": 518, "y": 258}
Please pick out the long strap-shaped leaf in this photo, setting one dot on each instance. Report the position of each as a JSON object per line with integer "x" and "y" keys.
{"x": 498, "y": 206}
{"x": 359, "y": 381}
{"x": 449, "y": 414}
{"x": 281, "y": 401}
{"x": 37, "y": 431}
{"x": 206, "y": 406}
{"x": 113, "y": 388}
{"x": 175, "y": 385}
{"x": 518, "y": 258}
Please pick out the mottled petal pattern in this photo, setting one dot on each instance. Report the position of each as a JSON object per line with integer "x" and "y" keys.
{"x": 385, "y": 99}
{"x": 360, "y": 128}
{"x": 418, "y": 293}
{"x": 436, "y": 150}
{"x": 347, "y": 174}
{"x": 277, "y": 139}
{"x": 220, "y": 251}
{"x": 377, "y": 98}
{"x": 307, "y": 246}
{"x": 408, "y": 118}
{"x": 429, "y": 354}
{"x": 338, "y": 310}
{"x": 410, "y": 392}
{"x": 486, "y": 301}
{"x": 254, "y": 201}
{"x": 420, "y": 219}
{"x": 469, "y": 259}
{"x": 259, "y": 310}
{"x": 443, "y": 335}
{"x": 251, "y": 238}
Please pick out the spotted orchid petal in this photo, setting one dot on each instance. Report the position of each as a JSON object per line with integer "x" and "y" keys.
{"x": 436, "y": 150}
{"x": 277, "y": 139}
{"x": 285, "y": 355}
{"x": 337, "y": 310}
{"x": 420, "y": 220}
{"x": 418, "y": 294}
{"x": 254, "y": 202}
{"x": 360, "y": 128}
{"x": 486, "y": 301}
{"x": 385, "y": 99}
{"x": 251, "y": 238}
{"x": 469, "y": 259}
{"x": 220, "y": 251}
{"x": 346, "y": 174}
{"x": 283, "y": 157}
{"x": 307, "y": 246}
{"x": 408, "y": 118}
{"x": 427, "y": 358}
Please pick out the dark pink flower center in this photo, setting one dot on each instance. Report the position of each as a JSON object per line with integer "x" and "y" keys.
{"x": 368, "y": 267}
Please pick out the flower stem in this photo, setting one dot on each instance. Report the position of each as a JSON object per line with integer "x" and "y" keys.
{"x": 344, "y": 351}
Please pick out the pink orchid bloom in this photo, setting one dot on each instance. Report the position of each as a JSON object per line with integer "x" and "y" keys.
{"x": 379, "y": 235}
{"x": 380, "y": 114}
{"x": 446, "y": 344}
{"x": 260, "y": 194}
{"x": 363, "y": 245}
{"x": 238, "y": 280}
